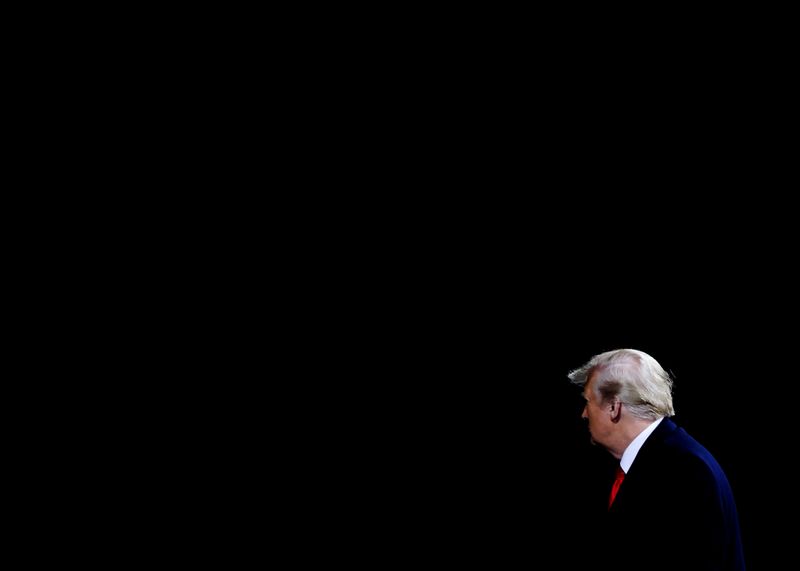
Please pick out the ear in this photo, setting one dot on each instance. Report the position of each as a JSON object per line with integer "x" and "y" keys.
{"x": 615, "y": 409}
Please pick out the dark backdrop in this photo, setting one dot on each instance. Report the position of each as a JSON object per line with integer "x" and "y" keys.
{"x": 470, "y": 441}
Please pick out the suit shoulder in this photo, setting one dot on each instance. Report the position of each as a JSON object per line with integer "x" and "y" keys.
{"x": 694, "y": 461}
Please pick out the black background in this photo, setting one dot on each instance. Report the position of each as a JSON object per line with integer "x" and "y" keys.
{"x": 463, "y": 438}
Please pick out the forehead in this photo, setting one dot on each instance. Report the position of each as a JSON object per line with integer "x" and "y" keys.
{"x": 588, "y": 388}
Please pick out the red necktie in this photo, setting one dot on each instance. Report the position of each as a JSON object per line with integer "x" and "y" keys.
{"x": 615, "y": 487}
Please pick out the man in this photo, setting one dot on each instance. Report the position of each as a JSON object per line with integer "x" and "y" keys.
{"x": 669, "y": 504}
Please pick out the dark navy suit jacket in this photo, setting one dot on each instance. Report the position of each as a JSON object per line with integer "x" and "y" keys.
{"x": 675, "y": 510}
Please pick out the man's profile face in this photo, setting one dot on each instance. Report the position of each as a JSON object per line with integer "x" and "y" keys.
{"x": 597, "y": 414}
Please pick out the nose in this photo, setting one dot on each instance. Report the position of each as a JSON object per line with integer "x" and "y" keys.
{"x": 584, "y": 414}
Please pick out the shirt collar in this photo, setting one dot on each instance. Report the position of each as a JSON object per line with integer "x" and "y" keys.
{"x": 633, "y": 448}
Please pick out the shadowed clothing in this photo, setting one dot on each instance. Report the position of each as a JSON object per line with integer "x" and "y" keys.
{"x": 674, "y": 510}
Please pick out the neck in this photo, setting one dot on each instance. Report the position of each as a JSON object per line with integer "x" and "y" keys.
{"x": 627, "y": 430}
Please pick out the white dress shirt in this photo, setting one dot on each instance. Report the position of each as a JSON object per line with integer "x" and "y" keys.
{"x": 633, "y": 448}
